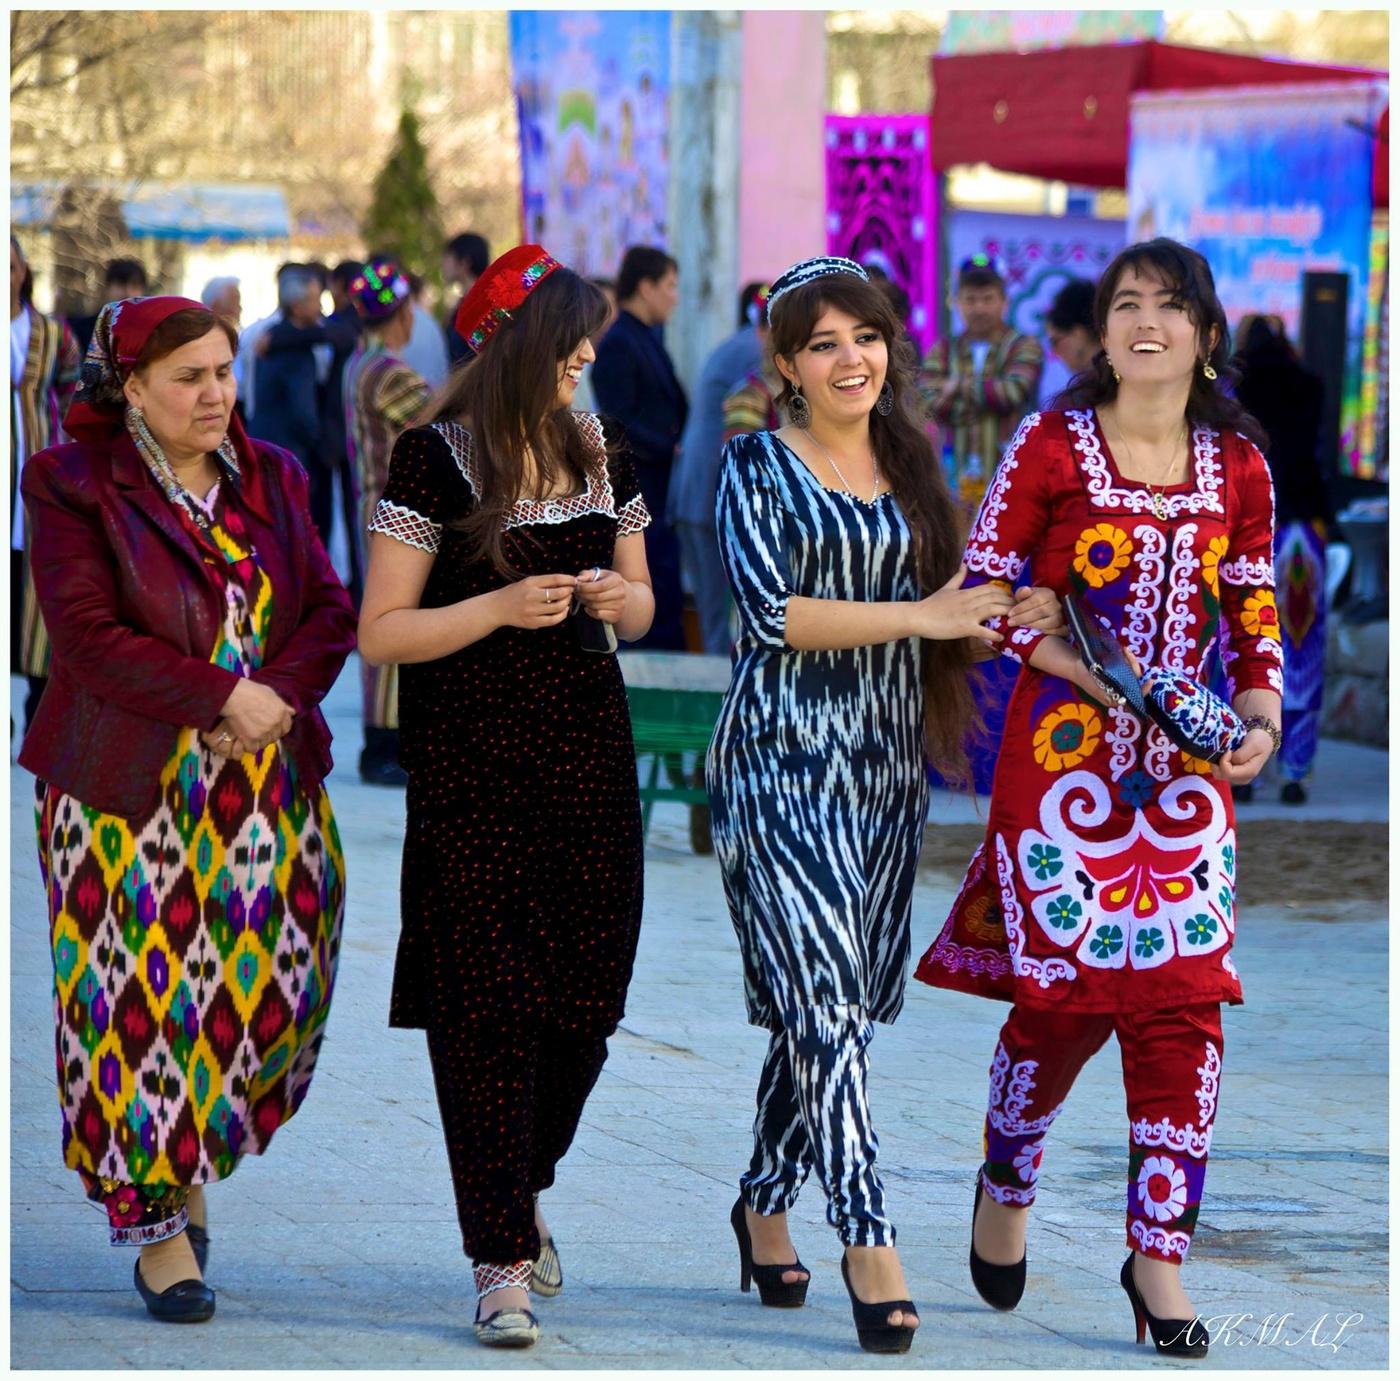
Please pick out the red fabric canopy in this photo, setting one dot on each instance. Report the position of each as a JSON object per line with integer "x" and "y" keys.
{"x": 1062, "y": 113}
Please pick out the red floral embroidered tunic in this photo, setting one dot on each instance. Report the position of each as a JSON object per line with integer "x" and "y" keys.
{"x": 1106, "y": 882}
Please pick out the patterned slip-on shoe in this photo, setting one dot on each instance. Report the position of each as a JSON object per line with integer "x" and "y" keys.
{"x": 508, "y": 1328}
{"x": 547, "y": 1278}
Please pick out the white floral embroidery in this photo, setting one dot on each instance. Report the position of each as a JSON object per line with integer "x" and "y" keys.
{"x": 1177, "y": 620}
{"x": 1209, "y": 1090}
{"x": 1275, "y": 678}
{"x": 406, "y": 525}
{"x": 1043, "y": 972}
{"x": 1103, "y": 494}
{"x": 1243, "y": 571}
{"x": 1007, "y": 1117}
{"x": 988, "y": 561}
{"x": 1140, "y": 617}
{"x": 1162, "y": 1175}
{"x": 1123, "y": 733}
{"x": 1159, "y": 1239}
{"x": 1158, "y": 756}
{"x": 1190, "y": 838}
{"x": 984, "y": 530}
{"x": 1186, "y": 1140}
{"x": 1004, "y": 1195}
{"x": 1027, "y": 1161}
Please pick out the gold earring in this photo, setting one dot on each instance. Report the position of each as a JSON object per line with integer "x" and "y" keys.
{"x": 1208, "y": 370}
{"x": 1112, "y": 369}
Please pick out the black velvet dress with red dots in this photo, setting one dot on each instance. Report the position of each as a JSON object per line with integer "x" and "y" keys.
{"x": 522, "y": 865}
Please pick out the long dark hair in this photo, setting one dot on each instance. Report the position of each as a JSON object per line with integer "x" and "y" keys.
{"x": 508, "y": 396}
{"x": 1211, "y": 402}
{"x": 906, "y": 458}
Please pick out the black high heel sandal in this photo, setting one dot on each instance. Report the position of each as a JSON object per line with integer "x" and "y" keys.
{"x": 873, "y": 1327}
{"x": 1001, "y": 1286}
{"x": 1171, "y": 1337}
{"x": 773, "y": 1290}
{"x": 187, "y": 1301}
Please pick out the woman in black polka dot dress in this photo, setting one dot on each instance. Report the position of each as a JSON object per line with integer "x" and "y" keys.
{"x": 522, "y": 869}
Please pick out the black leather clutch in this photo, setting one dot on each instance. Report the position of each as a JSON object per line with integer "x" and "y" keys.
{"x": 1103, "y": 654}
{"x": 1193, "y": 717}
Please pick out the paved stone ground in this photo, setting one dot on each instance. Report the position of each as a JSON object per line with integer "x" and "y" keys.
{"x": 340, "y": 1248}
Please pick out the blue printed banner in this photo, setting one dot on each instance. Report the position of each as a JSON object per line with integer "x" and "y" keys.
{"x": 1267, "y": 183}
{"x": 592, "y": 88}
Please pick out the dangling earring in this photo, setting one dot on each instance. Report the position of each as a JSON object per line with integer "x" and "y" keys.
{"x": 884, "y": 404}
{"x": 1113, "y": 369}
{"x": 1208, "y": 370}
{"x": 798, "y": 408}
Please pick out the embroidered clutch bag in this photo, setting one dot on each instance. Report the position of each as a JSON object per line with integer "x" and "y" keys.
{"x": 1198, "y": 721}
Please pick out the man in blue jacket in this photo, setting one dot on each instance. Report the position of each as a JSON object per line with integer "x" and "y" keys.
{"x": 635, "y": 383}
{"x": 695, "y": 480}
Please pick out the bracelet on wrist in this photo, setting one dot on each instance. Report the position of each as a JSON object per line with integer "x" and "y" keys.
{"x": 1262, "y": 721}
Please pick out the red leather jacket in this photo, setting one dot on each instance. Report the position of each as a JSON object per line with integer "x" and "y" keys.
{"x": 133, "y": 615}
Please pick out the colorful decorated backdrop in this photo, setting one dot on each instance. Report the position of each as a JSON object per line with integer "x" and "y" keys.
{"x": 1267, "y": 183}
{"x": 881, "y": 205}
{"x": 591, "y": 88}
{"x": 1040, "y": 255}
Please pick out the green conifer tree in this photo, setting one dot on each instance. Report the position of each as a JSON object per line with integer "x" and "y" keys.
{"x": 403, "y": 216}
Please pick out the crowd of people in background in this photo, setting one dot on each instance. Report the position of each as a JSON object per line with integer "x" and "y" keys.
{"x": 333, "y": 375}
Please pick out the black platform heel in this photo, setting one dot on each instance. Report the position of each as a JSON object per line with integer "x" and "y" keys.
{"x": 873, "y": 1327}
{"x": 187, "y": 1301}
{"x": 1001, "y": 1286}
{"x": 1172, "y": 1337}
{"x": 773, "y": 1290}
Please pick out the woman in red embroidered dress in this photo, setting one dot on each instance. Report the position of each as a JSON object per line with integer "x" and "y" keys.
{"x": 1103, "y": 898}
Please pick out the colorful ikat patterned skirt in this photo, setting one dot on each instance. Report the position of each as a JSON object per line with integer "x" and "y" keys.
{"x": 194, "y": 954}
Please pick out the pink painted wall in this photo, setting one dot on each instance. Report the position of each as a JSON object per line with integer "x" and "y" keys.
{"x": 782, "y": 170}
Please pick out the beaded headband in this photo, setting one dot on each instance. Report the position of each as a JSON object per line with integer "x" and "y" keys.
{"x": 823, "y": 266}
{"x": 507, "y": 282}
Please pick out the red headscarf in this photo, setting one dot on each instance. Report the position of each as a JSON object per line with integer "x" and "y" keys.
{"x": 507, "y": 282}
{"x": 98, "y": 411}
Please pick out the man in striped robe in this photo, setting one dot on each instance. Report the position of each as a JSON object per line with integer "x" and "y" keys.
{"x": 382, "y": 397}
{"x": 980, "y": 385}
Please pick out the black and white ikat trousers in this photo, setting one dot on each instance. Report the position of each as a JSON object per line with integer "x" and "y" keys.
{"x": 813, "y": 1111}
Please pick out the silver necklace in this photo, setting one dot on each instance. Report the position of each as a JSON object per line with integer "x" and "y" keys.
{"x": 874, "y": 469}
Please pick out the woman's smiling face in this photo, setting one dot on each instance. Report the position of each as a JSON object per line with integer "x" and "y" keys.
{"x": 841, "y": 368}
{"x": 1149, "y": 334}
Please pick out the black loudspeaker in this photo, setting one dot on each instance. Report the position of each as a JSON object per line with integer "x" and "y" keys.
{"x": 1322, "y": 331}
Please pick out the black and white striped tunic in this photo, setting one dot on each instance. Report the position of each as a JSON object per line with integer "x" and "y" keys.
{"x": 816, "y": 770}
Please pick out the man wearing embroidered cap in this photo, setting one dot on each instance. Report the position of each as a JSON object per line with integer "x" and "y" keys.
{"x": 982, "y": 383}
{"x": 506, "y": 560}
{"x": 382, "y": 396}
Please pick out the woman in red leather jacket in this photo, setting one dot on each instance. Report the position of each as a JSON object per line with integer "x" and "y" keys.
{"x": 193, "y": 872}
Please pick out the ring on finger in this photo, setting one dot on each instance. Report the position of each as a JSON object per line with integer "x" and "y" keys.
{"x": 549, "y": 596}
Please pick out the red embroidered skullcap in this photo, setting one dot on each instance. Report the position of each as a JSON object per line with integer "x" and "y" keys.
{"x": 507, "y": 282}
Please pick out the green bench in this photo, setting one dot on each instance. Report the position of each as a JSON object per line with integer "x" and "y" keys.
{"x": 674, "y": 699}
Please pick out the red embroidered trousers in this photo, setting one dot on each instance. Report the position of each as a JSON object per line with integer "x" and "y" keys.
{"x": 1171, "y": 1072}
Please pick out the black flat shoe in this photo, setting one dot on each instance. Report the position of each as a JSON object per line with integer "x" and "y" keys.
{"x": 1171, "y": 1337}
{"x": 1293, "y": 794}
{"x": 199, "y": 1244}
{"x": 773, "y": 1290}
{"x": 187, "y": 1301}
{"x": 873, "y": 1327}
{"x": 1001, "y": 1286}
